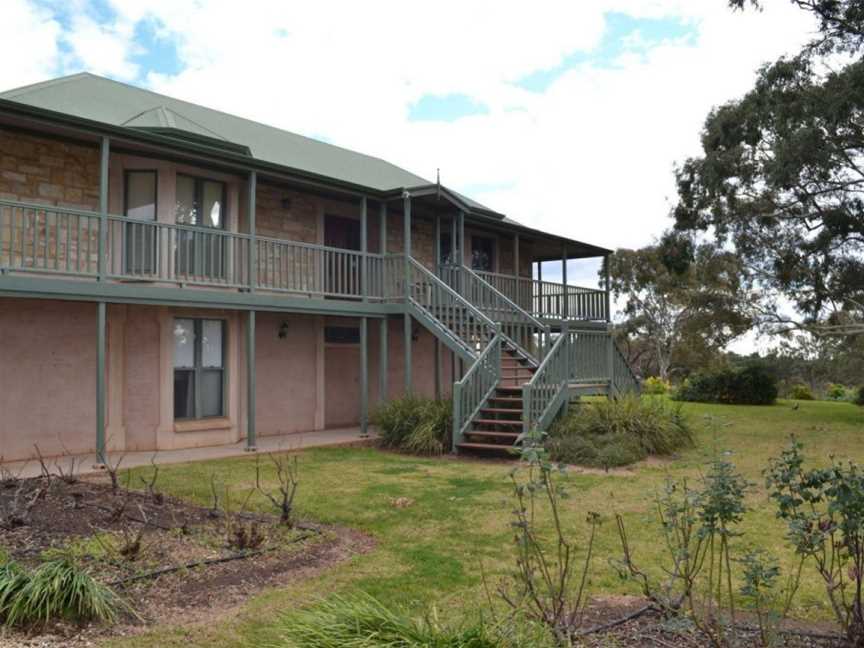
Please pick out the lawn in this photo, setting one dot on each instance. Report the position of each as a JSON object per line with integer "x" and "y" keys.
{"x": 430, "y": 552}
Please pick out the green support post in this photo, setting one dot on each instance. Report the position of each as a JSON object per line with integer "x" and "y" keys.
{"x": 437, "y": 244}
{"x": 406, "y": 202}
{"x": 364, "y": 376}
{"x": 252, "y": 270}
{"x": 383, "y": 360}
{"x": 104, "y": 158}
{"x": 461, "y": 260}
{"x": 610, "y": 360}
{"x": 100, "y": 381}
{"x": 251, "y": 440}
{"x": 565, "y": 300}
{"x": 364, "y": 250}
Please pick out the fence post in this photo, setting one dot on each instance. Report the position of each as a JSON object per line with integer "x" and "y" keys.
{"x": 457, "y": 414}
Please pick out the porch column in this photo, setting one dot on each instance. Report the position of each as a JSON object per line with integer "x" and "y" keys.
{"x": 100, "y": 382}
{"x": 454, "y": 234}
{"x": 565, "y": 305}
{"x": 516, "y": 273}
{"x": 382, "y": 361}
{"x": 406, "y": 202}
{"x": 250, "y": 382}
{"x": 364, "y": 321}
{"x": 252, "y": 270}
{"x": 437, "y": 248}
{"x": 608, "y": 285}
{"x": 104, "y": 157}
{"x": 461, "y": 251}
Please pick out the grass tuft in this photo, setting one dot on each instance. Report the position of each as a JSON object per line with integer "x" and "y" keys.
{"x": 363, "y": 622}
{"x": 420, "y": 426}
{"x": 619, "y": 432}
{"x": 56, "y": 589}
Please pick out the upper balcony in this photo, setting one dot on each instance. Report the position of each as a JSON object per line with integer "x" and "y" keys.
{"x": 47, "y": 241}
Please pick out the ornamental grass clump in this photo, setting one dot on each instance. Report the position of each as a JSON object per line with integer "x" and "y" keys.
{"x": 363, "y": 622}
{"x": 619, "y": 432}
{"x": 58, "y": 589}
{"x": 421, "y": 426}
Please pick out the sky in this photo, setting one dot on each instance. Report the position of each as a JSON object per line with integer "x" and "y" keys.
{"x": 567, "y": 115}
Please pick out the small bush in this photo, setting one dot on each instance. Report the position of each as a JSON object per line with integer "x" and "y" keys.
{"x": 836, "y": 392}
{"x": 752, "y": 385}
{"x": 655, "y": 386}
{"x": 800, "y": 392}
{"x": 57, "y": 589}
{"x": 363, "y": 622}
{"x": 619, "y": 432}
{"x": 418, "y": 425}
{"x": 859, "y": 396}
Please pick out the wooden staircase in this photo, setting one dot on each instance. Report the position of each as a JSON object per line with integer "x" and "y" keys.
{"x": 499, "y": 422}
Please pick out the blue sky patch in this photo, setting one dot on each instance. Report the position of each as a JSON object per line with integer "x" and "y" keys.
{"x": 623, "y": 35}
{"x": 157, "y": 51}
{"x": 445, "y": 108}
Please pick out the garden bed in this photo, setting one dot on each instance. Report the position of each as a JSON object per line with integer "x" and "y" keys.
{"x": 648, "y": 628}
{"x": 191, "y": 564}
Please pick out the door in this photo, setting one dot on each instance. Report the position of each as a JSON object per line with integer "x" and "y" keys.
{"x": 341, "y": 270}
{"x": 139, "y": 237}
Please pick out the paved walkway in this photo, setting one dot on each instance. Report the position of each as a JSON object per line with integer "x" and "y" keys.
{"x": 296, "y": 441}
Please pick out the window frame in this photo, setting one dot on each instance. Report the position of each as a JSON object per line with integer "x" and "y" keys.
{"x": 198, "y": 369}
{"x": 198, "y": 197}
{"x": 146, "y": 225}
{"x": 341, "y": 327}
{"x": 493, "y": 261}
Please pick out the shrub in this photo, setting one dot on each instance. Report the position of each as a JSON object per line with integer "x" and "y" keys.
{"x": 752, "y": 385}
{"x": 836, "y": 392}
{"x": 417, "y": 425}
{"x": 56, "y": 589}
{"x": 363, "y": 622}
{"x": 800, "y": 392}
{"x": 619, "y": 432}
{"x": 655, "y": 386}
{"x": 859, "y": 396}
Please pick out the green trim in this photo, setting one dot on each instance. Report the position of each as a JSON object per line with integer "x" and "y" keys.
{"x": 136, "y": 293}
{"x": 101, "y": 317}
{"x": 251, "y": 437}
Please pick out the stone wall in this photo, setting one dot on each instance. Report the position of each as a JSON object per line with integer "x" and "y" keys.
{"x": 48, "y": 171}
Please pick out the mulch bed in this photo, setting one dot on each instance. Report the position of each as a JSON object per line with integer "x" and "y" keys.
{"x": 187, "y": 570}
{"x": 648, "y": 629}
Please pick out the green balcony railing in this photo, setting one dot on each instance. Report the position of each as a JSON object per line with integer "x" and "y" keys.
{"x": 551, "y": 301}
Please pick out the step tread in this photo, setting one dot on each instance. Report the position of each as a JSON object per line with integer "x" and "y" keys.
{"x": 488, "y": 433}
{"x": 483, "y": 446}
{"x": 501, "y": 410}
{"x": 497, "y": 422}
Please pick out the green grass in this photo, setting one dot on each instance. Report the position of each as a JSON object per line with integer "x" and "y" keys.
{"x": 429, "y": 553}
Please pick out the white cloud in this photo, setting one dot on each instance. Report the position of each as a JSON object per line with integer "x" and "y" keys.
{"x": 103, "y": 48}
{"x": 28, "y": 44}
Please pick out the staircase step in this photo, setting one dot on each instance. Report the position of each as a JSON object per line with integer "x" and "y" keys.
{"x": 507, "y": 399}
{"x": 510, "y": 389}
{"x": 484, "y": 446}
{"x": 502, "y": 422}
{"x": 501, "y": 410}
{"x": 488, "y": 434}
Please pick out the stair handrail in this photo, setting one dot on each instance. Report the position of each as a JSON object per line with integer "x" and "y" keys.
{"x": 546, "y": 392}
{"x": 623, "y": 377}
{"x": 475, "y": 387}
{"x": 491, "y": 300}
{"x": 478, "y": 325}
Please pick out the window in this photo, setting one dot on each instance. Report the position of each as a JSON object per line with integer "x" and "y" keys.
{"x": 200, "y": 203}
{"x": 446, "y": 251}
{"x": 199, "y": 368}
{"x": 140, "y": 238}
{"x": 483, "y": 253}
{"x": 342, "y": 334}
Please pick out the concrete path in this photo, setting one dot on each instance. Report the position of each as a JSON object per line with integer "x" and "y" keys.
{"x": 88, "y": 464}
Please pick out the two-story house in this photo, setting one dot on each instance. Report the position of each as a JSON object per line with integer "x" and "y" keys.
{"x": 173, "y": 276}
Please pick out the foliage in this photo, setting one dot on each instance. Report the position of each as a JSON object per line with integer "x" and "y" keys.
{"x": 760, "y": 574}
{"x": 782, "y": 173}
{"x": 676, "y": 321}
{"x": 859, "y": 397}
{"x": 418, "y": 425}
{"x": 547, "y": 585}
{"x": 619, "y": 432}
{"x": 655, "y": 386}
{"x": 57, "y": 589}
{"x": 751, "y": 385}
{"x": 836, "y": 392}
{"x": 363, "y": 622}
{"x": 698, "y": 526}
{"x": 801, "y": 392}
{"x": 824, "y": 512}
